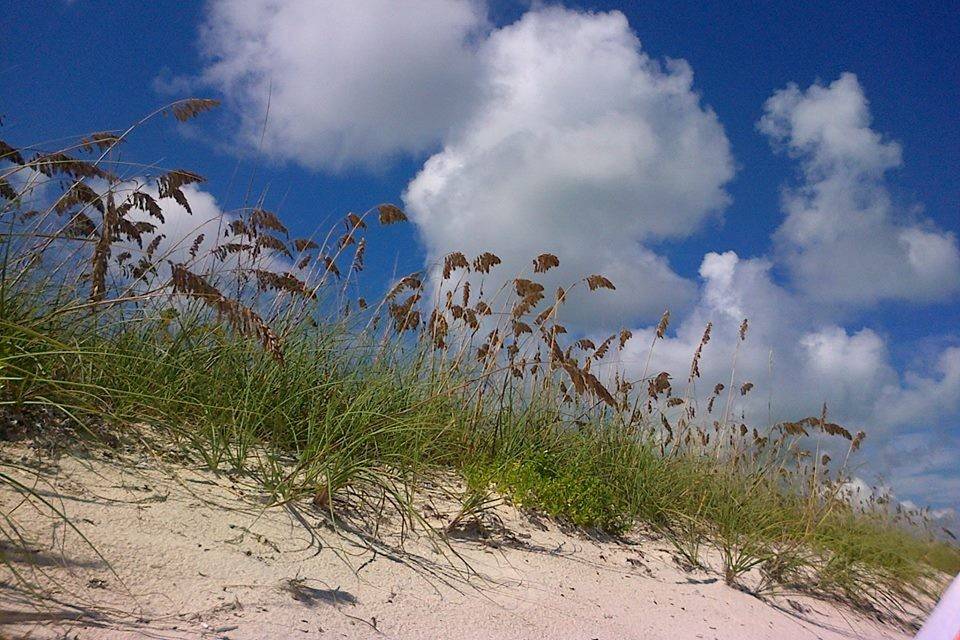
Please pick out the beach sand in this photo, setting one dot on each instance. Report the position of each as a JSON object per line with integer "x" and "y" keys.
{"x": 187, "y": 553}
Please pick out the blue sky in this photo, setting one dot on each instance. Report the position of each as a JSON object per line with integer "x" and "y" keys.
{"x": 69, "y": 68}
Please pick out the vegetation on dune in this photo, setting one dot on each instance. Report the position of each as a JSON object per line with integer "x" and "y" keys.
{"x": 243, "y": 349}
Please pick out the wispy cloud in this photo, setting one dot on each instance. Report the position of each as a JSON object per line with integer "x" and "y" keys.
{"x": 844, "y": 239}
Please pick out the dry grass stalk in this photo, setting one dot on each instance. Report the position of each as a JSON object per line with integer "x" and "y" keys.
{"x": 544, "y": 262}
{"x": 80, "y": 226}
{"x": 101, "y": 141}
{"x": 405, "y": 316}
{"x": 243, "y": 319}
{"x": 144, "y": 202}
{"x": 229, "y": 248}
{"x": 353, "y": 221}
{"x": 195, "y": 245}
{"x": 438, "y": 328}
{"x": 79, "y": 194}
{"x": 390, "y": 214}
{"x": 601, "y": 351}
{"x": 330, "y": 266}
{"x": 659, "y": 384}
{"x": 346, "y": 240}
{"x": 263, "y": 219}
{"x": 413, "y": 282}
{"x": 452, "y": 262}
{"x": 304, "y": 244}
{"x": 184, "y": 110}
{"x": 799, "y": 427}
{"x": 599, "y": 282}
{"x": 10, "y": 154}
{"x": 7, "y": 191}
{"x": 271, "y": 242}
{"x": 169, "y": 186}
{"x": 695, "y": 364}
{"x": 59, "y": 163}
{"x": 485, "y": 261}
{"x": 357, "y": 264}
{"x": 663, "y": 324}
{"x": 101, "y": 253}
{"x": 283, "y": 282}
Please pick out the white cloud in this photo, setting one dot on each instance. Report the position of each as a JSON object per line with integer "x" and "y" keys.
{"x": 802, "y": 360}
{"x": 581, "y": 146}
{"x": 934, "y": 394}
{"x": 799, "y": 359}
{"x": 844, "y": 240}
{"x": 347, "y": 82}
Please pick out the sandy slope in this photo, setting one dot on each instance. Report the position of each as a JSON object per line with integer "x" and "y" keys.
{"x": 196, "y": 558}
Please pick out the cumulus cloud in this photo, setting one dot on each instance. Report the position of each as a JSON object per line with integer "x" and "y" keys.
{"x": 582, "y": 146}
{"x": 844, "y": 240}
{"x": 346, "y": 83}
{"x": 798, "y": 359}
{"x": 802, "y": 359}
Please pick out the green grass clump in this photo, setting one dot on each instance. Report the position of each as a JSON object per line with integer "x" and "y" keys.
{"x": 574, "y": 492}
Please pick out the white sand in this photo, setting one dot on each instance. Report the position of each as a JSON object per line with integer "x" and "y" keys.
{"x": 195, "y": 558}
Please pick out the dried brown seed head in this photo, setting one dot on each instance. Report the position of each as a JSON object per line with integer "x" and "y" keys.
{"x": 659, "y": 384}
{"x": 102, "y": 141}
{"x": 597, "y": 281}
{"x": 521, "y": 327}
{"x": 274, "y": 243}
{"x": 390, "y": 214}
{"x": 858, "y": 440}
{"x": 353, "y": 221}
{"x": 662, "y": 325}
{"x": 412, "y": 282}
{"x": 604, "y": 347}
{"x": 485, "y": 261}
{"x": 184, "y": 110}
{"x": 303, "y": 244}
{"x": 10, "y": 154}
{"x": 243, "y": 319}
{"x": 544, "y": 262}
{"x": 195, "y": 246}
{"x": 452, "y": 262}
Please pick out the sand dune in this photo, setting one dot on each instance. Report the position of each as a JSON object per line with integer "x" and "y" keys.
{"x": 189, "y": 554}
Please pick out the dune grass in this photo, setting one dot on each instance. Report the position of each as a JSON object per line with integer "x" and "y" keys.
{"x": 243, "y": 356}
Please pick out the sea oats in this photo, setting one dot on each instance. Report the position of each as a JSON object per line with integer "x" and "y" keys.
{"x": 390, "y": 214}
{"x": 485, "y": 261}
{"x": 184, "y": 110}
{"x": 544, "y": 262}
{"x": 599, "y": 282}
